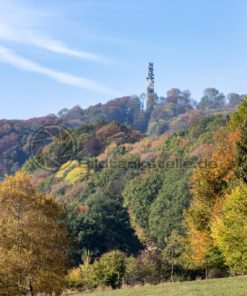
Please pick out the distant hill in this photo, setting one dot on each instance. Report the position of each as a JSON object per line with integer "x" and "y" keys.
{"x": 174, "y": 112}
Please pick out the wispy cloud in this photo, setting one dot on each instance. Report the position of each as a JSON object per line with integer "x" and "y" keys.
{"x": 24, "y": 25}
{"x": 59, "y": 47}
{"x": 20, "y": 25}
{"x": 9, "y": 57}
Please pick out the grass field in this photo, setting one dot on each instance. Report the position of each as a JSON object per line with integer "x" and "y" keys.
{"x": 236, "y": 286}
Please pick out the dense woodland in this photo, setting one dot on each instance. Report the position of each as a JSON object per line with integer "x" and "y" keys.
{"x": 173, "y": 112}
{"x": 153, "y": 194}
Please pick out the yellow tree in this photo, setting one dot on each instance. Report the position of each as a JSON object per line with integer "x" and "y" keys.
{"x": 32, "y": 239}
{"x": 208, "y": 189}
{"x": 230, "y": 229}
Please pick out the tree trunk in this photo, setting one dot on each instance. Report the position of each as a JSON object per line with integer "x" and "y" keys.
{"x": 172, "y": 271}
{"x": 31, "y": 288}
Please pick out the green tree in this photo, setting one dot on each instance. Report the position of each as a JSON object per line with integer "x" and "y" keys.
{"x": 172, "y": 253}
{"x": 242, "y": 151}
{"x": 212, "y": 98}
{"x": 140, "y": 193}
{"x": 166, "y": 211}
{"x": 109, "y": 269}
{"x": 234, "y": 99}
{"x": 230, "y": 232}
{"x": 238, "y": 117}
{"x": 101, "y": 225}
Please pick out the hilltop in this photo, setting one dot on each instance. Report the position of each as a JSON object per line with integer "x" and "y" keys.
{"x": 174, "y": 112}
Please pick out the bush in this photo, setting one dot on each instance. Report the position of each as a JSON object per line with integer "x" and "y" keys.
{"x": 82, "y": 276}
{"x": 147, "y": 268}
{"x": 109, "y": 270}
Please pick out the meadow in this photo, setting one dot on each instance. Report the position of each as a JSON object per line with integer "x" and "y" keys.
{"x": 234, "y": 286}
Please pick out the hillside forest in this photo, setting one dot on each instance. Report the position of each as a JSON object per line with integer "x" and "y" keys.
{"x": 155, "y": 192}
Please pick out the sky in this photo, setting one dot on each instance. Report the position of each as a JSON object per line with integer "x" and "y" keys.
{"x": 61, "y": 53}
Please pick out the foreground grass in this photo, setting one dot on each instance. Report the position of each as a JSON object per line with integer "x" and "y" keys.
{"x": 236, "y": 286}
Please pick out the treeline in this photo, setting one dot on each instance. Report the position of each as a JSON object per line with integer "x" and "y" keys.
{"x": 175, "y": 111}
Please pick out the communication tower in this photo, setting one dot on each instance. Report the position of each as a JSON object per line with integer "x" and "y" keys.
{"x": 150, "y": 79}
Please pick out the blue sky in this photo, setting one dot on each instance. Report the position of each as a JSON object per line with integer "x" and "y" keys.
{"x": 61, "y": 53}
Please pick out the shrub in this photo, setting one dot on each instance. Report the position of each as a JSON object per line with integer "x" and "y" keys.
{"x": 146, "y": 268}
{"x": 81, "y": 277}
{"x": 109, "y": 270}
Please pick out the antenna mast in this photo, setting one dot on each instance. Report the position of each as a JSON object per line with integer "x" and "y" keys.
{"x": 150, "y": 79}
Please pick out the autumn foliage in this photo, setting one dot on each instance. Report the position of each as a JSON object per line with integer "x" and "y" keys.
{"x": 32, "y": 240}
{"x": 213, "y": 220}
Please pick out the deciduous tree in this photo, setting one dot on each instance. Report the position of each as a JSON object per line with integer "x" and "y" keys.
{"x": 32, "y": 239}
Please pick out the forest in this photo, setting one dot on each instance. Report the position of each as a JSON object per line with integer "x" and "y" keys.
{"x": 154, "y": 193}
{"x": 173, "y": 112}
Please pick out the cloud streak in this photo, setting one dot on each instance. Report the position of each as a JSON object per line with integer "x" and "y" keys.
{"x": 9, "y": 57}
{"x": 20, "y": 26}
{"x": 60, "y": 48}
